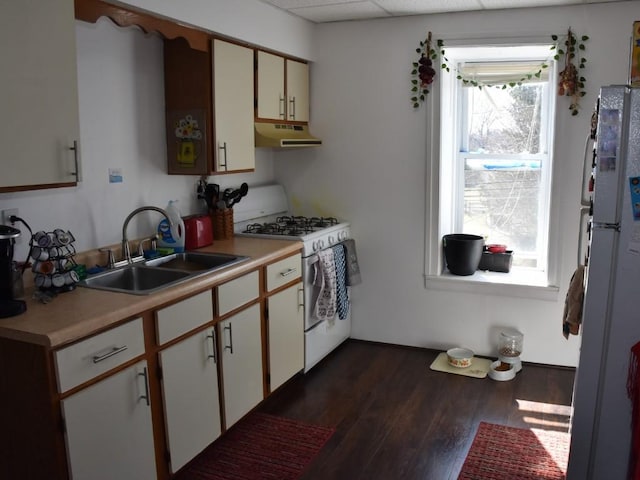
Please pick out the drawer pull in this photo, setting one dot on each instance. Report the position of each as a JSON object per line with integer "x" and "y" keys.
{"x": 116, "y": 350}
{"x": 288, "y": 272}
{"x": 146, "y": 386}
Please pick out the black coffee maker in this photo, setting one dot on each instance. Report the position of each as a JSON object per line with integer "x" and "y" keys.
{"x": 9, "y": 305}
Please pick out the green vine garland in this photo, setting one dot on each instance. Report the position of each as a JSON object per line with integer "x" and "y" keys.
{"x": 423, "y": 73}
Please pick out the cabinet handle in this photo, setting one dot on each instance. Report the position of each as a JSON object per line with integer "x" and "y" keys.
{"x": 301, "y": 298}
{"x": 230, "y": 346}
{"x": 146, "y": 386}
{"x": 282, "y": 107}
{"x": 116, "y": 350}
{"x": 212, "y": 336}
{"x": 287, "y": 272}
{"x": 292, "y": 103}
{"x": 224, "y": 148}
{"x": 75, "y": 173}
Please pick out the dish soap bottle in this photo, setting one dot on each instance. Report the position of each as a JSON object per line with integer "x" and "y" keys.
{"x": 171, "y": 237}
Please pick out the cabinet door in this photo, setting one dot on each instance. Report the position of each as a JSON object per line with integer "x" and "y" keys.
{"x": 190, "y": 389}
{"x": 108, "y": 428}
{"x": 297, "y": 91}
{"x": 286, "y": 335}
{"x": 241, "y": 363}
{"x": 271, "y": 96}
{"x": 233, "y": 103}
{"x": 38, "y": 94}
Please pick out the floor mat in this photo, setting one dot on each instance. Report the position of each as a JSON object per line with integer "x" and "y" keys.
{"x": 478, "y": 369}
{"x": 499, "y": 452}
{"x": 259, "y": 447}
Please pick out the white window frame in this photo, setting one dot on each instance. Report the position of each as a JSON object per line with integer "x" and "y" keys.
{"x": 444, "y": 177}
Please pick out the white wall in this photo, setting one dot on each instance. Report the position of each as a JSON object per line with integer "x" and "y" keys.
{"x": 371, "y": 171}
{"x": 122, "y": 125}
{"x": 247, "y": 20}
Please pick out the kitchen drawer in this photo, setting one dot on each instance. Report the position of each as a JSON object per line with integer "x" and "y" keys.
{"x": 184, "y": 316}
{"x": 284, "y": 271}
{"x": 238, "y": 292}
{"x": 89, "y": 358}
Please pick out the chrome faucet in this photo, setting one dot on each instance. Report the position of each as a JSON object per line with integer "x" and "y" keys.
{"x": 126, "y": 251}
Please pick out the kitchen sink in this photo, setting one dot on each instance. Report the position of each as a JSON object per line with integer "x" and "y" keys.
{"x": 159, "y": 273}
{"x": 196, "y": 261}
{"x": 135, "y": 279}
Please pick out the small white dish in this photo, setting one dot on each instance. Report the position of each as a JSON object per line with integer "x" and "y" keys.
{"x": 501, "y": 371}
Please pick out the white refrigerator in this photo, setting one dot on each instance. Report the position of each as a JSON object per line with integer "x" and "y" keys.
{"x": 601, "y": 418}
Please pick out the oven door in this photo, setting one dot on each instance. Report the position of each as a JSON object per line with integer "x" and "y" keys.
{"x": 311, "y": 292}
{"x": 320, "y": 336}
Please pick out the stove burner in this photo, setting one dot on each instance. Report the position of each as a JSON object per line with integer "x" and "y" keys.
{"x": 293, "y": 226}
{"x": 323, "y": 222}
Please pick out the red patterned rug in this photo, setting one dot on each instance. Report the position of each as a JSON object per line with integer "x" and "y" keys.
{"x": 506, "y": 453}
{"x": 259, "y": 447}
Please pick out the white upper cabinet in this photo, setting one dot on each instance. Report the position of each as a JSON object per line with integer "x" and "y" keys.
{"x": 283, "y": 88}
{"x": 297, "y": 91}
{"x": 271, "y": 95}
{"x": 233, "y": 106}
{"x": 38, "y": 94}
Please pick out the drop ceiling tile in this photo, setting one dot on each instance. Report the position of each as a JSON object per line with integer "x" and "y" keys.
{"x": 413, "y": 7}
{"x": 340, "y": 11}
{"x": 499, "y": 4}
{"x": 289, "y": 4}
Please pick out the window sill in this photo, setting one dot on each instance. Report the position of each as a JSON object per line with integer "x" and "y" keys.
{"x": 517, "y": 283}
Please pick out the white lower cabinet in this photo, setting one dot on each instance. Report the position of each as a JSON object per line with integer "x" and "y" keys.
{"x": 190, "y": 391}
{"x": 241, "y": 342}
{"x": 108, "y": 428}
{"x": 286, "y": 335}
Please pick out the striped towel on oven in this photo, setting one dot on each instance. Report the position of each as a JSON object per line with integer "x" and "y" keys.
{"x": 342, "y": 296}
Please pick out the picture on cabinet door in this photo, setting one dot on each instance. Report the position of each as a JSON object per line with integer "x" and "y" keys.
{"x": 186, "y": 148}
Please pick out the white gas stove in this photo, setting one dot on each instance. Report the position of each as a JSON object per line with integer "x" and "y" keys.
{"x": 264, "y": 213}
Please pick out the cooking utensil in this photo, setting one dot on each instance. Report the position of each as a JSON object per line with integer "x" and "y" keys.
{"x": 211, "y": 192}
{"x": 238, "y": 194}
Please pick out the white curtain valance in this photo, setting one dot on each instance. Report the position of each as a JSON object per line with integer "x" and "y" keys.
{"x": 503, "y": 73}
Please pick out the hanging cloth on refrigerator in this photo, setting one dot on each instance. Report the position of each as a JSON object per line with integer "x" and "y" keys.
{"x": 633, "y": 391}
{"x": 572, "y": 316}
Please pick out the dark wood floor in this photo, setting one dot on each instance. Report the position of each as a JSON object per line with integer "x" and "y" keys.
{"x": 397, "y": 419}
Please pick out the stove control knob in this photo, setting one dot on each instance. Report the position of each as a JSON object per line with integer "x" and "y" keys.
{"x": 314, "y": 246}
{"x": 342, "y": 236}
{"x": 320, "y": 244}
{"x": 330, "y": 239}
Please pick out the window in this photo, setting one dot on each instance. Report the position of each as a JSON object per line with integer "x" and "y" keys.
{"x": 495, "y": 150}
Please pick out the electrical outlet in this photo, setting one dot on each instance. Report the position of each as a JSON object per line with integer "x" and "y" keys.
{"x": 6, "y": 215}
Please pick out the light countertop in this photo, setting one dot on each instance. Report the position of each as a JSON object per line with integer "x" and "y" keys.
{"x": 85, "y": 311}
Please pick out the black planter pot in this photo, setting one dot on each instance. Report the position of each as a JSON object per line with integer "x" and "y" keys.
{"x": 462, "y": 252}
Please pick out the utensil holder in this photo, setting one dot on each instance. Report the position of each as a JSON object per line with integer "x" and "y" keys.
{"x": 222, "y": 220}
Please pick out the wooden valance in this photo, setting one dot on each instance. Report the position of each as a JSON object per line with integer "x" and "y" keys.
{"x": 91, "y": 10}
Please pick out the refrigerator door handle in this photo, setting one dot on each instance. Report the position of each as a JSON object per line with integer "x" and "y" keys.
{"x": 585, "y": 197}
{"x": 582, "y": 257}
{"x": 606, "y": 226}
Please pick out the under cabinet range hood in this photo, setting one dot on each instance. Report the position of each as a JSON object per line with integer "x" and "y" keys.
{"x": 284, "y": 136}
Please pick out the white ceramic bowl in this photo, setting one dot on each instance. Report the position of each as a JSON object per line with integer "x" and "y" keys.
{"x": 459, "y": 357}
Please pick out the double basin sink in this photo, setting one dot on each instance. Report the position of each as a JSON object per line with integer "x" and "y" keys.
{"x": 153, "y": 275}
